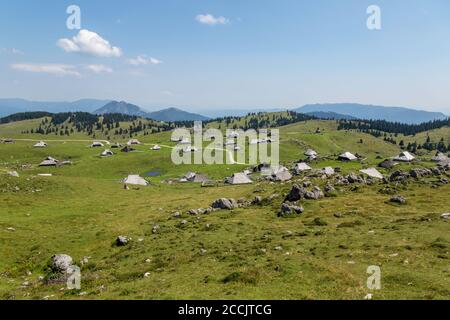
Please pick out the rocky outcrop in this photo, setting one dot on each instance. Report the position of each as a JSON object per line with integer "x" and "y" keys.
{"x": 399, "y": 176}
{"x": 61, "y": 263}
{"x": 398, "y": 199}
{"x": 329, "y": 189}
{"x": 226, "y": 204}
{"x": 121, "y": 241}
{"x": 419, "y": 173}
{"x": 300, "y": 193}
{"x": 354, "y": 178}
{"x": 288, "y": 209}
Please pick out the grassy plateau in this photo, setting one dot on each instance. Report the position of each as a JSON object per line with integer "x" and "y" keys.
{"x": 246, "y": 253}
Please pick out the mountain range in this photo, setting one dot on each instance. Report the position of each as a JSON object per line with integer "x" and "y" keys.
{"x": 10, "y": 106}
{"x": 167, "y": 115}
{"x": 371, "y": 112}
{"x": 325, "y": 111}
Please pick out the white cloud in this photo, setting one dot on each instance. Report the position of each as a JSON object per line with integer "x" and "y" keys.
{"x": 12, "y": 51}
{"x": 99, "y": 68}
{"x": 210, "y": 20}
{"x": 91, "y": 43}
{"x": 143, "y": 60}
{"x": 53, "y": 69}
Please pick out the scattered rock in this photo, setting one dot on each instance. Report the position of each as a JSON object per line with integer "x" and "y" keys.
{"x": 61, "y": 263}
{"x": 296, "y": 193}
{"x": 315, "y": 194}
{"x": 445, "y": 216}
{"x": 156, "y": 228}
{"x": 287, "y": 209}
{"x": 354, "y": 178}
{"x": 177, "y": 215}
{"x": 223, "y": 203}
{"x": 13, "y": 174}
{"x": 300, "y": 193}
{"x": 419, "y": 173}
{"x": 84, "y": 261}
{"x": 193, "y": 212}
{"x": 400, "y": 176}
{"x": 329, "y": 189}
{"x": 393, "y": 255}
{"x": 436, "y": 171}
{"x": 398, "y": 199}
{"x": 257, "y": 201}
{"x": 121, "y": 241}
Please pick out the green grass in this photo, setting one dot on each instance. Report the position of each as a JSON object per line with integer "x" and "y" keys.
{"x": 325, "y": 252}
{"x": 435, "y": 136}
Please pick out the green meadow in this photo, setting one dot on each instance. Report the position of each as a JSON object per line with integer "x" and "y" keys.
{"x": 246, "y": 253}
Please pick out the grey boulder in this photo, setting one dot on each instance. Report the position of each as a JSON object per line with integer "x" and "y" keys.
{"x": 287, "y": 209}
{"x": 223, "y": 203}
{"x": 61, "y": 263}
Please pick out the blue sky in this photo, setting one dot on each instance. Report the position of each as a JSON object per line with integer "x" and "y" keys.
{"x": 203, "y": 54}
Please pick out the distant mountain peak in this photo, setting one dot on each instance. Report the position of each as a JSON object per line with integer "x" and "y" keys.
{"x": 167, "y": 115}
{"x": 174, "y": 114}
{"x": 121, "y": 107}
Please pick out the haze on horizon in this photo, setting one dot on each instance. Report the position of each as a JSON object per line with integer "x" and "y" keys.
{"x": 228, "y": 54}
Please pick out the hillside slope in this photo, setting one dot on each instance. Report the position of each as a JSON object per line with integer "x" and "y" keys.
{"x": 174, "y": 114}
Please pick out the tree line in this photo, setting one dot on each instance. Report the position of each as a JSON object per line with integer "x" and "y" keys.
{"x": 392, "y": 127}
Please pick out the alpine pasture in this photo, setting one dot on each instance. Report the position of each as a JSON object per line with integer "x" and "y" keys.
{"x": 249, "y": 252}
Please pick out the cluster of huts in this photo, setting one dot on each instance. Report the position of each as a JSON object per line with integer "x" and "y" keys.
{"x": 127, "y": 148}
{"x": 404, "y": 156}
{"x": 279, "y": 173}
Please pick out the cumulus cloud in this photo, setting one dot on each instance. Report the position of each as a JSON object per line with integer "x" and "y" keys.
{"x": 91, "y": 43}
{"x": 99, "y": 68}
{"x": 210, "y": 20}
{"x": 143, "y": 60}
{"x": 53, "y": 69}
